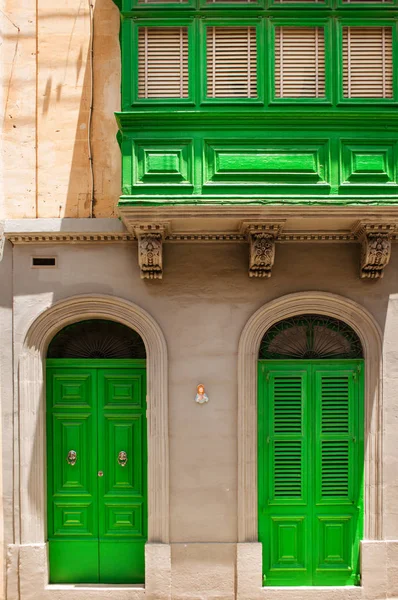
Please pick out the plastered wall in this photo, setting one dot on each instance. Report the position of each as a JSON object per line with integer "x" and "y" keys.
{"x": 202, "y": 305}
{"x": 47, "y": 90}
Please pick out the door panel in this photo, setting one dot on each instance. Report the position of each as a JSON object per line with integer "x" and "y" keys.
{"x": 96, "y": 524}
{"x": 283, "y": 508}
{"x": 122, "y": 490}
{"x": 338, "y": 457}
{"x": 72, "y": 507}
{"x": 310, "y": 434}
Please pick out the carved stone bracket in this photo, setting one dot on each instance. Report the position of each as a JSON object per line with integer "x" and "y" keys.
{"x": 261, "y": 237}
{"x": 375, "y": 239}
{"x": 150, "y": 238}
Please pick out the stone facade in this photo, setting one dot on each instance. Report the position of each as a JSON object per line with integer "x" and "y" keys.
{"x": 202, "y": 322}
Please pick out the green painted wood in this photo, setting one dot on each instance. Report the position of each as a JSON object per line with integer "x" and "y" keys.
{"x": 311, "y": 453}
{"x": 263, "y": 150}
{"x": 97, "y": 526}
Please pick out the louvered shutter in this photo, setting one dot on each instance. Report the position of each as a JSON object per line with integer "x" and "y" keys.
{"x": 299, "y": 1}
{"x": 367, "y": 1}
{"x": 310, "y": 436}
{"x": 162, "y": 1}
{"x": 231, "y": 1}
{"x": 367, "y": 62}
{"x": 300, "y": 62}
{"x": 337, "y": 482}
{"x": 163, "y": 62}
{"x": 231, "y": 62}
{"x": 283, "y": 476}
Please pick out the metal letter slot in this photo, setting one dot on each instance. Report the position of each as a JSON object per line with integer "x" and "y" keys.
{"x": 122, "y": 458}
{"x": 72, "y": 457}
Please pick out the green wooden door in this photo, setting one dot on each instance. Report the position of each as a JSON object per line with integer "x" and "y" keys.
{"x": 97, "y": 508}
{"x": 310, "y": 436}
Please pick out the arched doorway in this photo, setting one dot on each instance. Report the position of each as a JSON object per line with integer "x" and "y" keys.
{"x": 96, "y": 453}
{"x": 310, "y": 451}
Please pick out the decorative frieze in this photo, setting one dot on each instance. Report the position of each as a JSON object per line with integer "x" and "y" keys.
{"x": 261, "y": 237}
{"x": 375, "y": 240}
{"x": 150, "y": 238}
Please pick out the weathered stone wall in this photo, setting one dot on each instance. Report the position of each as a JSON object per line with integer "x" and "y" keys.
{"x": 48, "y": 87}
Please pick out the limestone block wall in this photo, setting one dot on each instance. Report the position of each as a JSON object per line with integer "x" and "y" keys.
{"x": 49, "y": 83}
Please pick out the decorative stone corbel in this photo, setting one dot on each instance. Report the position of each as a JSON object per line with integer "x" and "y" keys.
{"x": 375, "y": 239}
{"x": 261, "y": 237}
{"x": 150, "y": 249}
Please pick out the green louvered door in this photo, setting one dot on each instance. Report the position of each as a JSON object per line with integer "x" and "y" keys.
{"x": 97, "y": 511}
{"x": 310, "y": 435}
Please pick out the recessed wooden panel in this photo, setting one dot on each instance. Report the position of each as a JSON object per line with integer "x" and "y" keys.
{"x": 73, "y": 519}
{"x": 123, "y": 434}
{"x": 71, "y": 390}
{"x": 72, "y": 432}
{"x": 273, "y": 163}
{"x": 287, "y": 543}
{"x": 335, "y": 542}
{"x": 124, "y": 519}
{"x": 368, "y": 163}
{"x": 122, "y": 390}
{"x": 160, "y": 163}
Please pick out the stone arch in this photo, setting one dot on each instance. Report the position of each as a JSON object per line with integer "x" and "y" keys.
{"x": 369, "y": 333}
{"x": 32, "y": 409}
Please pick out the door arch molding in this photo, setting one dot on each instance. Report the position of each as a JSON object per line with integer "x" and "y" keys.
{"x": 32, "y": 459}
{"x": 363, "y": 323}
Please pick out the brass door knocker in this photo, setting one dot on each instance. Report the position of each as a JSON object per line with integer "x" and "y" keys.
{"x": 72, "y": 457}
{"x": 122, "y": 458}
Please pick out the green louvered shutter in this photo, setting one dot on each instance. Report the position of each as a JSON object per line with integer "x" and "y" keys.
{"x": 284, "y": 508}
{"x": 310, "y": 435}
{"x": 339, "y": 456}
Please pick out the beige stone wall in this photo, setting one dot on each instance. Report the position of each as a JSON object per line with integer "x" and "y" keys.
{"x": 47, "y": 88}
{"x": 202, "y": 305}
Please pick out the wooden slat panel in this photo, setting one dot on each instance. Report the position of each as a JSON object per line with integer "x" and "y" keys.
{"x": 367, "y": 1}
{"x": 231, "y": 1}
{"x": 300, "y": 62}
{"x": 231, "y": 62}
{"x": 163, "y": 62}
{"x": 162, "y": 1}
{"x": 286, "y": 437}
{"x": 367, "y": 62}
{"x": 299, "y": 1}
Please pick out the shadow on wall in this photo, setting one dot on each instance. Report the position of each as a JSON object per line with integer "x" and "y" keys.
{"x": 69, "y": 84}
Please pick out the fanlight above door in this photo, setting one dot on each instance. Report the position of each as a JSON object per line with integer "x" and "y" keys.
{"x": 97, "y": 338}
{"x": 310, "y": 337}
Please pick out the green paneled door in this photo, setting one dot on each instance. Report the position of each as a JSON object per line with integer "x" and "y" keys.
{"x": 97, "y": 498}
{"x": 311, "y": 450}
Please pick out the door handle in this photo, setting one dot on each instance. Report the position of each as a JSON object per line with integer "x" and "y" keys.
{"x": 72, "y": 457}
{"x": 122, "y": 458}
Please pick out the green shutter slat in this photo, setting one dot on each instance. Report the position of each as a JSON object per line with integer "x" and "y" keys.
{"x": 287, "y": 405}
{"x": 287, "y": 431}
{"x": 287, "y": 469}
{"x": 335, "y": 404}
{"x": 335, "y": 469}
